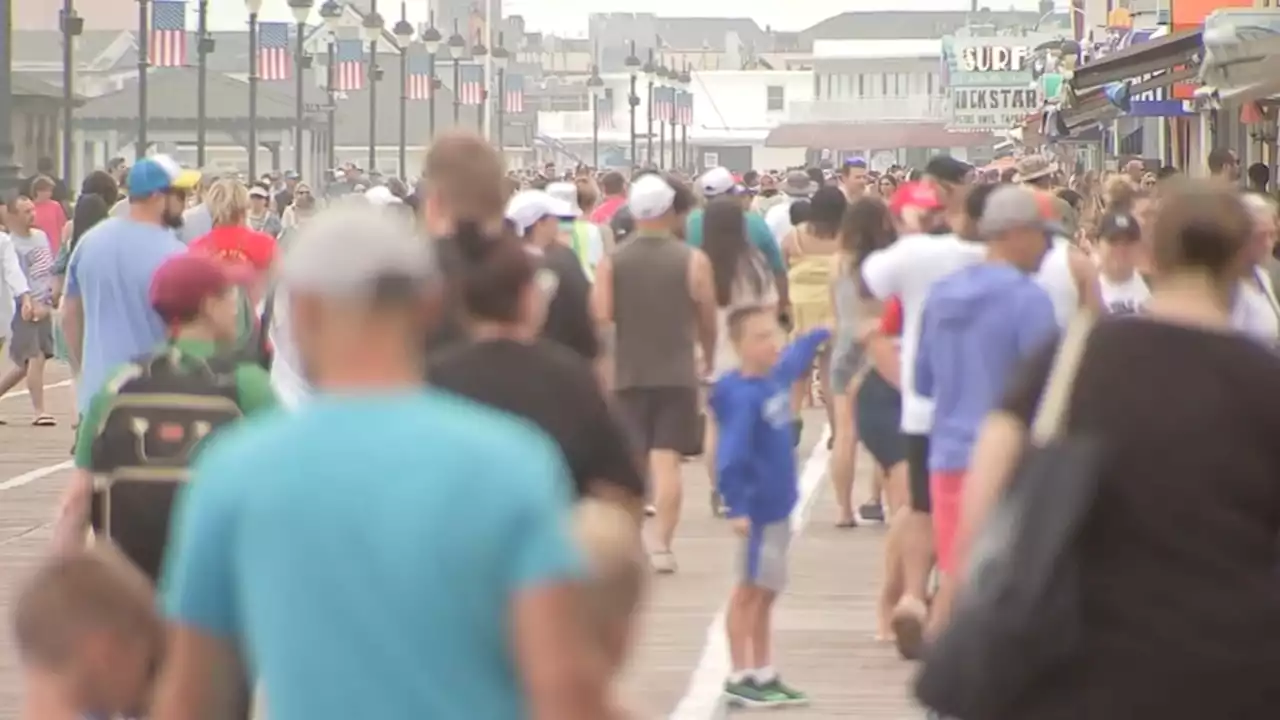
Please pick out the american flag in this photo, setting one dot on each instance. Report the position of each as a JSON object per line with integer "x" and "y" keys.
{"x": 273, "y": 51}
{"x": 472, "y": 80}
{"x": 350, "y": 73}
{"x": 513, "y": 93}
{"x": 663, "y": 99}
{"x": 684, "y": 109}
{"x": 418, "y": 81}
{"x": 168, "y": 40}
{"x": 604, "y": 110}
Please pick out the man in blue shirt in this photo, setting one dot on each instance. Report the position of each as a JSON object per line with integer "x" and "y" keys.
{"x": 107, "y": 316}
{"x": 383, "y": 551}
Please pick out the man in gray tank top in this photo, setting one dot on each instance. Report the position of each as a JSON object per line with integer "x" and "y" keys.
{"x": 658, "y": 294}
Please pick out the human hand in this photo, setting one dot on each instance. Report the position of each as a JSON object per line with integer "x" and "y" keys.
{"x": 741, "y": 525}
{"x": 26, "y": 307}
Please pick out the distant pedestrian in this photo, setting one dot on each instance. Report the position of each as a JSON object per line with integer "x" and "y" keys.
{"x": 32, "y": 344}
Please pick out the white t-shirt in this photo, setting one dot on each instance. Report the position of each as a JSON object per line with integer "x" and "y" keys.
{"x": 286, "y": 365}
{"x": 1255, "y": 312}
{"x": 779, "y": 220}
{"x": 1056, "y": 279}
{"x": 13, "y": 283}
{"x": 1126, "y": 297}
{"x": 908, "y": 269}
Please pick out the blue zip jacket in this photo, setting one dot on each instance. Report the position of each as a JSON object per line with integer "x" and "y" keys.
{"x": 979, "y": 323}
{"x": 755, "y": 455}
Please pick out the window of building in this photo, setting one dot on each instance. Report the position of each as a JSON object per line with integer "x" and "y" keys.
{"x": 929, "y": 83}
{"x": 777, "y": 98}
{"x": 884, "y": 84}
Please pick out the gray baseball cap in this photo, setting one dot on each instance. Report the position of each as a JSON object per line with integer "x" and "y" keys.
{"x": 1012, "y": 208}
{"x": 349, "y": 250}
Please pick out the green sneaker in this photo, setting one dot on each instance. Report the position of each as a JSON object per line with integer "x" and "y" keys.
{"x": 745, "y": 694}
{"x": 779, "y": 693}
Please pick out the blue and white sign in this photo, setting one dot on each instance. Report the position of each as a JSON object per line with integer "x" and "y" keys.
{"x": 1151, "y": 103}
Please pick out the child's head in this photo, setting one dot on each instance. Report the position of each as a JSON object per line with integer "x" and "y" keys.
{"x": 195, "y": 291}
{"x": 610, "y": 538}
{"x": 754, "y": 332}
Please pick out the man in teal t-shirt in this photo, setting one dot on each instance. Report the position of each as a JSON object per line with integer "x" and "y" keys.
{"x": 718, "y": 181}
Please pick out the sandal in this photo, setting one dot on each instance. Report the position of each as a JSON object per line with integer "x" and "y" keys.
{"x": 45, "y": 420}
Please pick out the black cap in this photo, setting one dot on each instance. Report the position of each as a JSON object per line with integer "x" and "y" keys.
{"x": 948, "y": 169}
{"x": 1119, "y": 226}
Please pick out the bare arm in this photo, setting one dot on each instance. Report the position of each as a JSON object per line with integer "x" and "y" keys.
{"x": 201, "y": 678}
{"x": 702, "y": 288}
{"x": 602, "y": 311}
{"x": 1085, "y": 274}
{"x": 564, "y": 675}
{"x": 73, "y": 329}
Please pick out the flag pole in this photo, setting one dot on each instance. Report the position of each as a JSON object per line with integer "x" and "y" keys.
{"x": 488, "y": 69}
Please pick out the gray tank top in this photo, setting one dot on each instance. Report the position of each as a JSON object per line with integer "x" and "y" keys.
{"x": 847, "y": 352}
{"x": 653, "y": 313}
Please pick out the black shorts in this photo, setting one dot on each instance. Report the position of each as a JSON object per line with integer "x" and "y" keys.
{"x": 664, "y": 418}
{"x": 918, "y": 472}
{"x": 878, "y": 413}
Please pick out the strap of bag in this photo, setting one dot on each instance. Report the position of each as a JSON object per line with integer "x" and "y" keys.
{"x": 1049, "y": 418}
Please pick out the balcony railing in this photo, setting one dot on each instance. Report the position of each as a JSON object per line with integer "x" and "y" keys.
{"x": 909, "y": 109}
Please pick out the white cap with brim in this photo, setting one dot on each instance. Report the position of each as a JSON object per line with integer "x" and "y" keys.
{"x": 382, "y": 195}
{"x": 650, "y": 197}
{"x": 347, "y": 251}
{"x": 527, "y": 207}
{"x": 716, "y": 181}
{"x": 564, "y": 192}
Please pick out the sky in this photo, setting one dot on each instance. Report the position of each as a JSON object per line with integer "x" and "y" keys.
{"x": 565, "y": 17}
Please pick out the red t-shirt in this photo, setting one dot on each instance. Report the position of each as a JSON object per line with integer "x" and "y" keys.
{"x": 238, "y": 245}
{"x": 891, "y": 319}
{"x": 606, "y": 210}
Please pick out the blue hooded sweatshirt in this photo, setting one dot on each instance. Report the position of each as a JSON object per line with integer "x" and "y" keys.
{"x": 755, "y": 455}
{"x": 979, "y": 324}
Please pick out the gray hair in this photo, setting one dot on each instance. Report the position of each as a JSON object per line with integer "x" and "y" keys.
{"x": 385, "y": 241}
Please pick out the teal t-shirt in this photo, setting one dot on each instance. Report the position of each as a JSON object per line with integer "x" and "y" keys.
{"x": 363, "y": 551}
{"x": 757, "y": 232}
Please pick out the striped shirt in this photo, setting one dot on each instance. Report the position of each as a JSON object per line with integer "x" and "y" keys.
{"x": 36, "y": 260}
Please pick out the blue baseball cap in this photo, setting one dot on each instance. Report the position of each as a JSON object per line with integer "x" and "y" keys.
{"x": 157, "y": 174}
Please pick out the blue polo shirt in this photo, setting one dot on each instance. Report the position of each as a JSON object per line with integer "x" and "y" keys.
{"x": 757, "y": 232}
{"x": 363, "y": 551}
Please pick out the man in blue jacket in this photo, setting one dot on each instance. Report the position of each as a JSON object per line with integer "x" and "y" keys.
{"x": 756, "y": 475}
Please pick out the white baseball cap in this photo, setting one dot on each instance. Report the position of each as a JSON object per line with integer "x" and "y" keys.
{"x": 381, "y": 195}
{"x": 564, "y": 191}
{"x": 716, "y": 181}
{"x": 527, "y": 207}
{"x": 650, "y": 197}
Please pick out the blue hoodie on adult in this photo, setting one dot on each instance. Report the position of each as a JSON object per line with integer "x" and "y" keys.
{"x": 755, "y": 455}
{"x": 979, "y": 323}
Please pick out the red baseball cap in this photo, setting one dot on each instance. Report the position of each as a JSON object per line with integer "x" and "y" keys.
{"x": 919, "y": 195}
{"x": 183, "y": 282}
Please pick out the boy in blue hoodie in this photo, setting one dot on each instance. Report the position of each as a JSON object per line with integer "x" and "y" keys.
{"x": 979, "y": 324}
{"x": 756, "y": 471}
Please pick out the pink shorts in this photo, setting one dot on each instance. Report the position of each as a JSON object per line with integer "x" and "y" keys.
{"x": 945, "y": 489}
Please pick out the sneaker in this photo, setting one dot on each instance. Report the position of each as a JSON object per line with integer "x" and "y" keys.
{"x": 650, "y": 511}
{"x": 745, "y": 694}
{"x": 779, "y": 693}
{"x": 871, "y": 512}
{"x": 663, "y": 562}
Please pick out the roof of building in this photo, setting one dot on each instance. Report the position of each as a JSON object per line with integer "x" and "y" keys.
{"x": 45, "y": 46}
{"x": 903, "y": 24}
{"x": 29, "y": 85}
{"x": 171, "y": 95}
{"x": 876, "y": 49}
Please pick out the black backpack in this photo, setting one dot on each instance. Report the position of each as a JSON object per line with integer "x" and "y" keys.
{"x": 161, "y": 409}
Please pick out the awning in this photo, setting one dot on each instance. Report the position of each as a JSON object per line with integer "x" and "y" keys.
{"x": 1149, "y": 57}
{"x": 1242, "y": 48}
{"x": 1093, "y": 106}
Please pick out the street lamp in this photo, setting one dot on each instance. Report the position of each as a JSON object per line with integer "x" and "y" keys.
{"x": 204, "y": 46}
{"x": 404, "y": 33}
{"x": 372, "y": 30}
{"x": 595, "y": 86}
{"x": 301, "y": 10}
{"x": 686, "y": 82}
{"x": 478, "y": 51}
{"x": 72, "y": 26}
{"x": 501, "y": 56}
{"x": 457, "y": 47}
{"x": 331, "y": 13}
{"x": 8, "y": 171}
{"x": 144, "y": 62}
{"x": 431, "y": 40}
{"x": 632, "y": 64}
{"x": 650, "y": 70}
{"x": 254, "y": 7}
{"x": 664, "y": 87}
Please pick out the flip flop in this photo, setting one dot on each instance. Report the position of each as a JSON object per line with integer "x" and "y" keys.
{"x": 45, "y": 421}
{"x": 847, "y": 524}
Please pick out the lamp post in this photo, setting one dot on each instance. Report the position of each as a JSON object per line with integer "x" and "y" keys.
{"x": 595, "y": 86}
{"x": 8, "y": 171}
{"x": 665, "y": 84}
{"x": 500, "y": 59}
{"x": 431, "y": 40}
{"x": 650, "y": 70}
{"x": 72, "y": 26}
{"x": 372, "y": 29}
{"x": 301, "y": 10}
{"x": 204, "y": 45}
{"x": 404, "y": 33}
{"x": 677, "y": 91}
{"x": 478, "y": 51}
{"x": 331, "y": 13}
{"x": 144, "y": 62}
{"x": 686, "y": 82}
{"x": 255, "y": 7}
{"x": 632, "y": 64}
{"x": 457, "y": 46}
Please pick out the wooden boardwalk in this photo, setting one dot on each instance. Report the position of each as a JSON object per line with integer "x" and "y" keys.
{"x": 824, "y": 625}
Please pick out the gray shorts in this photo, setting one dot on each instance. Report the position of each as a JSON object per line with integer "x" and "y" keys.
{"x": 31, "y": 339}
{"x": 763, "y": 562}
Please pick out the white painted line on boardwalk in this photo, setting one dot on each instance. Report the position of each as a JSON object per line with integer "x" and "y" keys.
{"x": 702, "y": 700}
{"x": 27, "y": 478}
{"x": 20, "y": 393}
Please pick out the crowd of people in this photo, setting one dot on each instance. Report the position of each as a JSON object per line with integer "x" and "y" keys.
{"x": 386, "y": 432}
